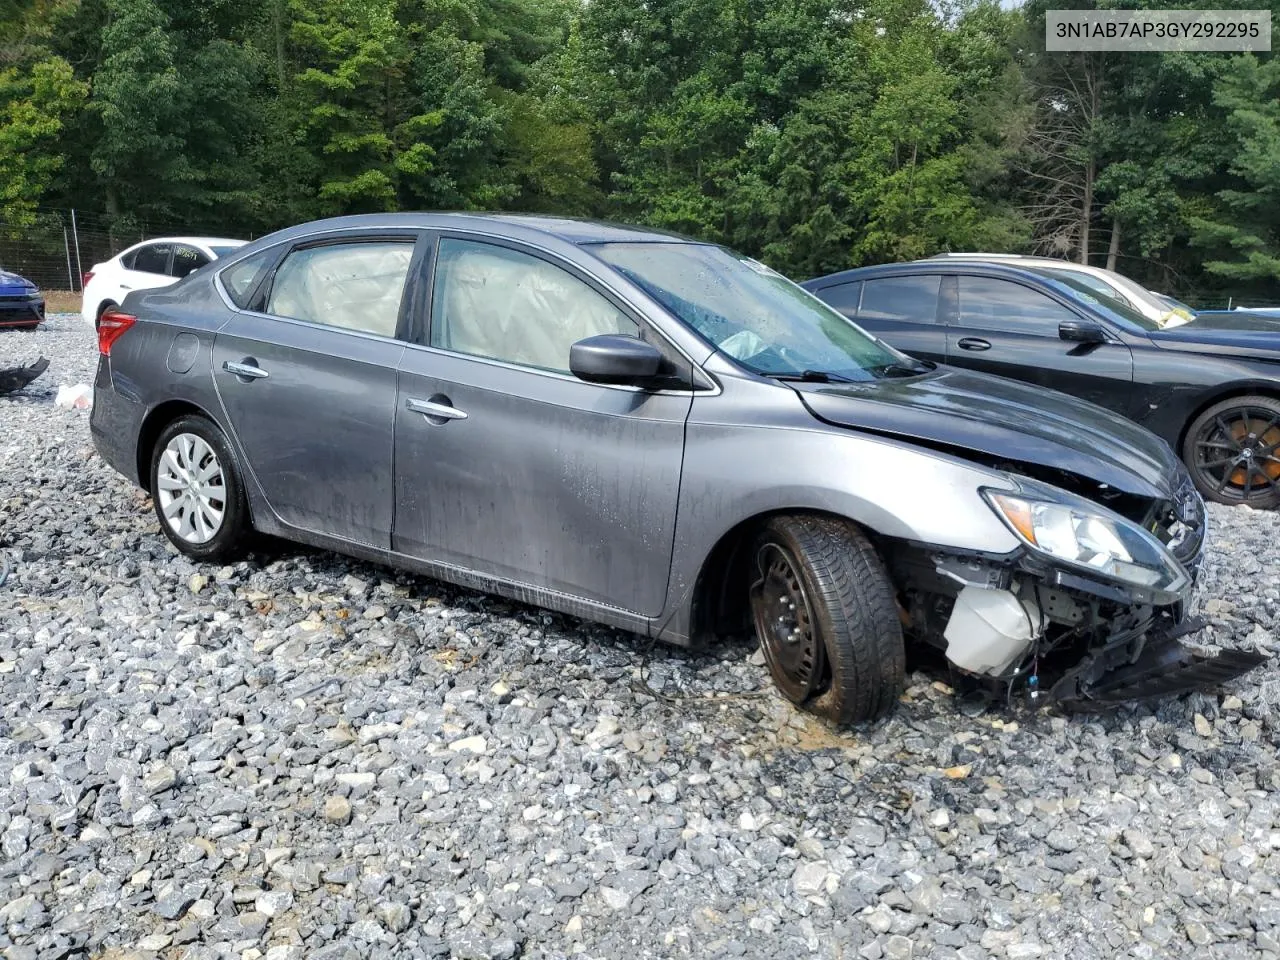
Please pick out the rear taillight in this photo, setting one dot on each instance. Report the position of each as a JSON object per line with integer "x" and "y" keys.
{"x": 84, "y": 281}
{"x": 111, "y": 328}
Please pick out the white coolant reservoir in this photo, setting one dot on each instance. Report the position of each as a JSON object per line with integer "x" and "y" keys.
{"x": 990, "y": 630}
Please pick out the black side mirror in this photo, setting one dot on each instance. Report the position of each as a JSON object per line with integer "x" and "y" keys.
{"x": 1081, "y": 331}
{"x": 615, "y": 358}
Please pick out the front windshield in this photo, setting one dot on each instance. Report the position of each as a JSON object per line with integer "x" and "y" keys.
{"x": 1118, "y": 311}
{"x": 754, "y": 314}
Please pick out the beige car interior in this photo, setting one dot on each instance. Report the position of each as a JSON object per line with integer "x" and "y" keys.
{"x": 356, "y": 286}
{"x": 498, "y": 303}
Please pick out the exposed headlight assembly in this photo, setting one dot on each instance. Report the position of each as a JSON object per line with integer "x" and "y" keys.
{"x": 1098, "y": 541}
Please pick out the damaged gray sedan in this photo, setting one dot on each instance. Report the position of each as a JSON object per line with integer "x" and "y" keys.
{"x": 660, "y": 435}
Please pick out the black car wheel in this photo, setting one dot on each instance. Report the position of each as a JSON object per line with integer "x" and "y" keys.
{"x": 826, "y": 618}
{"x": 197, "y": 491}
{"x": 1233, "y": 451}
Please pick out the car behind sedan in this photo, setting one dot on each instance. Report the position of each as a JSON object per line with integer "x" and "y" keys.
{"x": 1209, "y": 387}
{"x": 21, "y": 304}
{"x": 660, "y": 435}
{"x": 147, "y": 266}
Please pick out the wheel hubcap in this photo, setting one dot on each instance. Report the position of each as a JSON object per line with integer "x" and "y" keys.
{"x": 785, "y": 624}
{"x": 191, "y": 489}
{"x": 1238, "y": 453}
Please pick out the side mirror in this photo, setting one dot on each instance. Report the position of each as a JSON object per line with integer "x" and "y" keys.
{"x": 1081, "y": 331}
{"x": 615, "y": 358}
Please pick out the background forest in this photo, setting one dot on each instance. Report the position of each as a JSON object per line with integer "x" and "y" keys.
{"x": 816, "y": 134}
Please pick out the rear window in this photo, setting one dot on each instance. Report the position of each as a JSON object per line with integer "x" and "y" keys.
{"x": 223, "y": 251}
{"x": 240, "y": 279}
{"x": 909, "y": 299}
{"x": 153, "y": 258}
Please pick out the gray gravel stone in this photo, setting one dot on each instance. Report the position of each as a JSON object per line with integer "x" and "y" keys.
{"x": 508, "y": 782}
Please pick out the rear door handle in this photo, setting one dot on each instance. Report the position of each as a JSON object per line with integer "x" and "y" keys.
{"x": 973, "y": 343}
{"x": 433, "y": 409}
{"x": 246, "y": 368}
{"x": 125, "y": 286}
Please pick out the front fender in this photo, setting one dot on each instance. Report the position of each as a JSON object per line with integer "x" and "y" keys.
{"x": 734, "y": 472}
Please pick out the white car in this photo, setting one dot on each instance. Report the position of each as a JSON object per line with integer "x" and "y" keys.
{"x": 145, "y": 266}
{"x": 1106, "y": 282}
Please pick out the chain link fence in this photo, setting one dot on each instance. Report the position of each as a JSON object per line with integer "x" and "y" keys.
{"x": 59, "y": 246}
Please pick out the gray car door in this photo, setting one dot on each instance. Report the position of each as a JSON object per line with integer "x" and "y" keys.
{"x": 508, "y": 465}
{"x": 307, "y": 381}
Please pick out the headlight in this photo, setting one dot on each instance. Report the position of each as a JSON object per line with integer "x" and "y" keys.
{"x": 1097, "y": 541}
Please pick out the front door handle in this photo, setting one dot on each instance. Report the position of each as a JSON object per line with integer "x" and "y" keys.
{"x": 438, "y": 408}
{"x": 247, "y": 368}
{"x": 973, "y": 343}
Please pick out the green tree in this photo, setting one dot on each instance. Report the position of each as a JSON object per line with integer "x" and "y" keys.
{"x": 34, "y": 105}
{"x": 1242, "y": 238}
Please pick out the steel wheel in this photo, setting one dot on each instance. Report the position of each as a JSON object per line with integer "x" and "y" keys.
{"x": 785, "y": 624}
{"x": 1236, "y": 454}
{"x": 191, "y": 489}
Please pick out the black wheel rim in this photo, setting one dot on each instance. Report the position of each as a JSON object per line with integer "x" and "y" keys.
{"x": 785, "y": 624}
{"x": 1237, "y": 454}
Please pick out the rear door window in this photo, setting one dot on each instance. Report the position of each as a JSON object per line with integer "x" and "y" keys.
{"x": 356, "y": 285}
{"x": 185, "y": 260}
{"x": 153, "y": 258}
{"x": 909, "y": 299}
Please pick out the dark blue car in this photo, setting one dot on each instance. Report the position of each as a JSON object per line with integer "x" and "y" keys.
{"x": 21, "y": 304}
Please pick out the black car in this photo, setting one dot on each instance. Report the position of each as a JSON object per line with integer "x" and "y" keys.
{"x": 1211, "y": 389}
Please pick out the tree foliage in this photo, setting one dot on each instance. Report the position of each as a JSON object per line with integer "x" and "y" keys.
{"x": 817, "y": 134}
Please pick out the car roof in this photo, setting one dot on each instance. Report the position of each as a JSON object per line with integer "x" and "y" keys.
{"x": 996, "y": 268}
{"x": 194, "y": 241}
{"x": 514, "y": 225}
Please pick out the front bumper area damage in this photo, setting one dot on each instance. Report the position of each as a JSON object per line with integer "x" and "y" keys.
{"x": 15, "y": 378}
{"x": 1019, "y": 627}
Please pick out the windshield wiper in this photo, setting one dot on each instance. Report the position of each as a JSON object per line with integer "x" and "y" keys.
{"x": 813, "y": 376}
{"x": 905, "y": 369}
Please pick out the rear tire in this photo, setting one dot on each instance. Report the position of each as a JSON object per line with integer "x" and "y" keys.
{"x": 1233, "y": 452}
{"x": 197, "y": 491}
{"x": 826, "y": 618}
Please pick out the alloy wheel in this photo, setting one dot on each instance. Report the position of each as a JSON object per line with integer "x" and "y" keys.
{"x": 1237, "y": 453}
{"x": 191, "y": 489}
{"x": 785, "y": 624}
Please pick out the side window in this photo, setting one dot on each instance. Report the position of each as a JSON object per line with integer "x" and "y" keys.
{"x": 989, "y": 303}
{"x": 240, "y": 278}
{"x": 127, "y": 261}
{"x": 153, "y": 258}
{"x": 357, "y": 286}
{"x": 843, "y": 296}
{"x": 186, "y": 259}
{"x": 493, "y": 302}
{"x": 910, "y": 299}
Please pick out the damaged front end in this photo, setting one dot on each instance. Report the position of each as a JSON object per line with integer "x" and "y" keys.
{"x": 1091, "y": 610}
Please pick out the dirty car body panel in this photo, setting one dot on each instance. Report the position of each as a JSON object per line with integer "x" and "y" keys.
{"x": 490, "y": 465}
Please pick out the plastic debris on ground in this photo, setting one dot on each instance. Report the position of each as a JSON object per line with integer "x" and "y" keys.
{"x": 78, "y": 397}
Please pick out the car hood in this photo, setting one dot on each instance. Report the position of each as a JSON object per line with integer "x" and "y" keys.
{"x": 1005, "y": 419}
{"x": 11, "y": 283}
{"x": 1230, "y": 333}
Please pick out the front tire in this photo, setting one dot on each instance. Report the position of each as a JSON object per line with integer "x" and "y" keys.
{"x": 197, "y": 491}
{"x": 1233, "y": 452}
{"x": 826, "y": 618}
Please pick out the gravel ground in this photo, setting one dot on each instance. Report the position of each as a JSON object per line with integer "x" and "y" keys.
{"x": 304, "y": 756}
